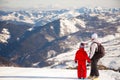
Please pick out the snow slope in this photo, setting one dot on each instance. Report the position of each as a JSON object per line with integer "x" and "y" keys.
{"x": 110, "y": 60}
{"x": 4, "y": 35}
{"x": 14, "y": 73}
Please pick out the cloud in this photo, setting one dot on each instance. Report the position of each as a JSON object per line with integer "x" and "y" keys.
{"x": 2, "y": 2}
{"x": 58, "y": 3}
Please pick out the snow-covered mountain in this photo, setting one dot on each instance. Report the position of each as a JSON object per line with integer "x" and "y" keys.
{"x": 38, "y": 17}
{"x": 46, "y": 44}
{"x": 110, "y": 60}
{"x": 4, "y": 36}
{"x": 35, "y": 17}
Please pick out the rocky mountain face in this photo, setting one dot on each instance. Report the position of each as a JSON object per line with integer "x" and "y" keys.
{"x": 5, "y": 62}
{"x": 32, "y": 46}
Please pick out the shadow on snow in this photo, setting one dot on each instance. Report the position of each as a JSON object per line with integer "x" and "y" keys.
{"x": 37, "y": 77}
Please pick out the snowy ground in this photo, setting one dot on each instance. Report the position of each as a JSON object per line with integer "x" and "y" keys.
{"x": 13, "y": 73}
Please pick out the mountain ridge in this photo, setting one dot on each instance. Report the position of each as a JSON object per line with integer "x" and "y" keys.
{"x": 32, "y": 46}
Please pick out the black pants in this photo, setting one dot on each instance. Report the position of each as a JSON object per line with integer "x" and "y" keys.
{"x": 94, "y": 69}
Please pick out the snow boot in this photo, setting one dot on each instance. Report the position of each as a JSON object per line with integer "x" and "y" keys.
{"x": 95, "y": 78}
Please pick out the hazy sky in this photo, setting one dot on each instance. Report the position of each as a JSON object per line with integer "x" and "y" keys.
{"x": 21, "y": 4}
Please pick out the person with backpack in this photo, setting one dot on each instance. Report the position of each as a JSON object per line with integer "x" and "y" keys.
{"x": 81, "y": 57}
{"x": 96, "y": 52}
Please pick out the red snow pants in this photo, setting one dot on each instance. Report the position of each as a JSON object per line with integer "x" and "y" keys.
{"x": 81, "y": 70}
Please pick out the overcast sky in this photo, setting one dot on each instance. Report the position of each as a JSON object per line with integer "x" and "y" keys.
{"x": 21, "y": 4}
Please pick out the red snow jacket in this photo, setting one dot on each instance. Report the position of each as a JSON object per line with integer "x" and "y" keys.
{"x": 81, "y": 55}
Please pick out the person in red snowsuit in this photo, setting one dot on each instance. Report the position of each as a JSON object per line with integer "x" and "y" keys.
{"x": 81, "y": 57}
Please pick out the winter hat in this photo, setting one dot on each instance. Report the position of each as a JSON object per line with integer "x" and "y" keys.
{"x": 94, "y": 36}
{"x": 82, "y": 45}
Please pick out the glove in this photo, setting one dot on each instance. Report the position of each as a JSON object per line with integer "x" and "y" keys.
{"x": 75, "y": 61}
{"x": 88, "y": 64}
